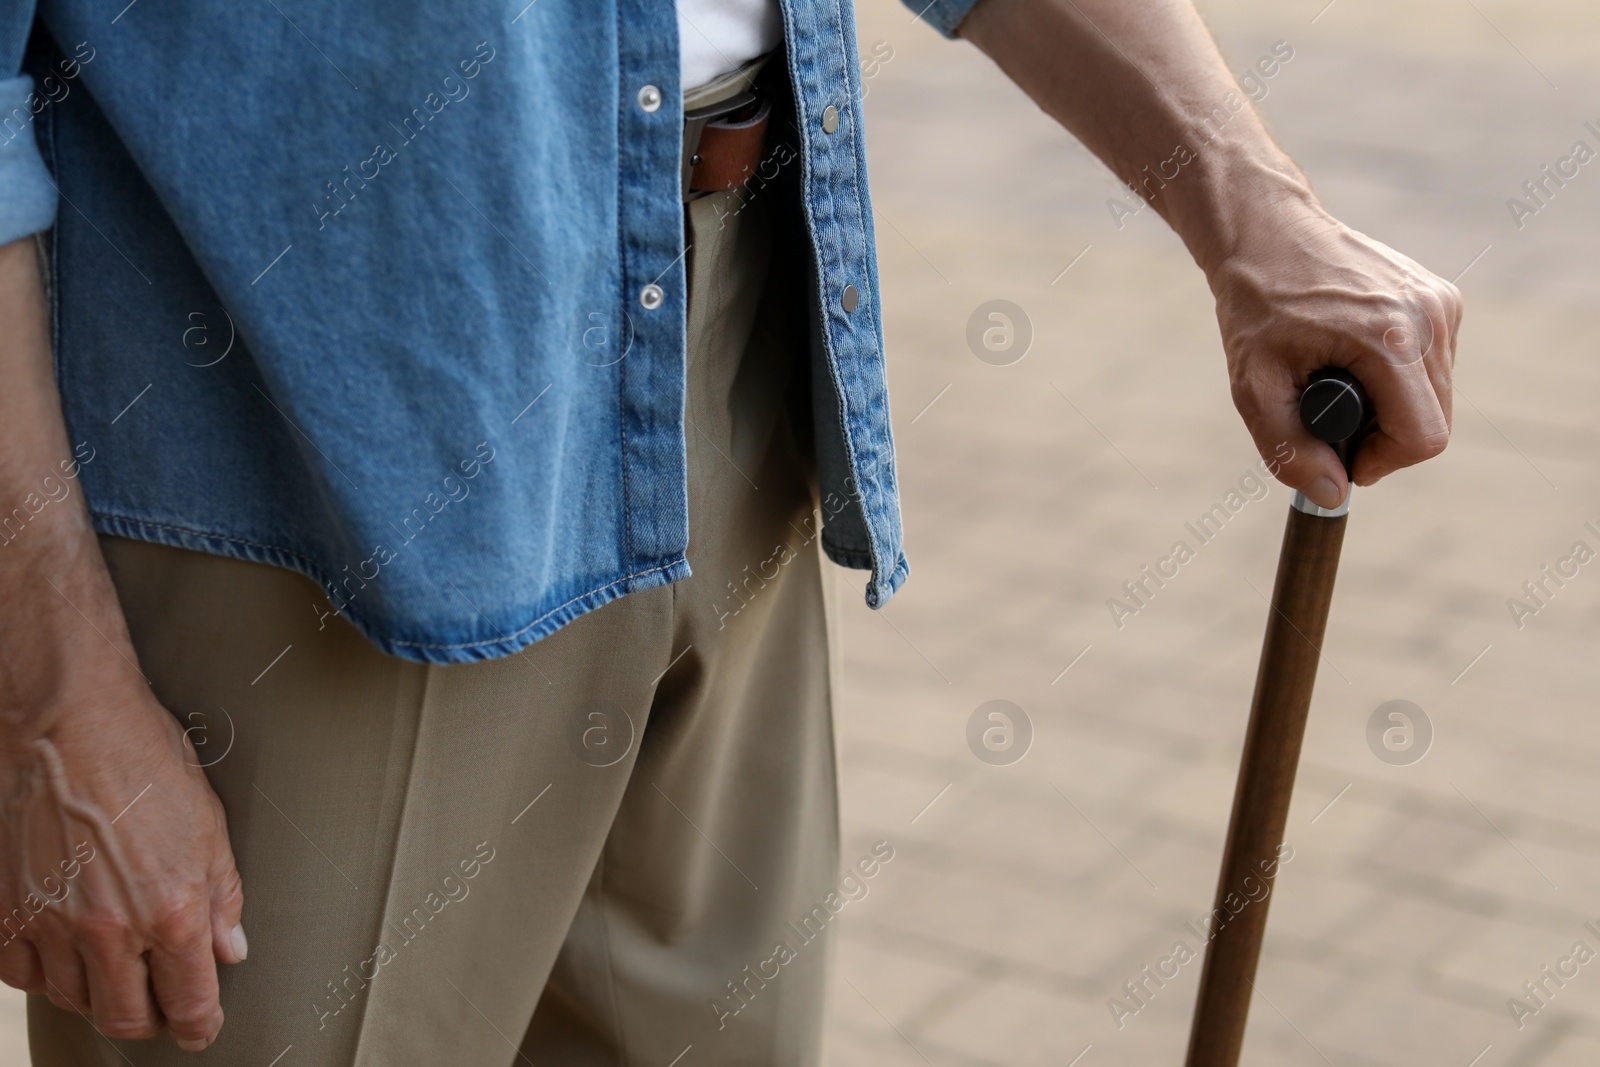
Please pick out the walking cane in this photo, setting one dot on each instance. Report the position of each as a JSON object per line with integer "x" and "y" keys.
{"x": 1334, "y": 409}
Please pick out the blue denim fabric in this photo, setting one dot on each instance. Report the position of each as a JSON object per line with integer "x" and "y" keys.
{"x": 355, "y": 289}
{"x": 942, "y": 15}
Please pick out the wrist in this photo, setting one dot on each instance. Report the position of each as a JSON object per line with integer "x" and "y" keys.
{"x": 71, "y": 652}
{"x": 1246, "y": 201}
{"x": 67, "y": 695}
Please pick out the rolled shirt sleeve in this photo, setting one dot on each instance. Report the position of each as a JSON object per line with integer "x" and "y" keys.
{"x": 27, "y": 193}
{"x": 942, "y": 15}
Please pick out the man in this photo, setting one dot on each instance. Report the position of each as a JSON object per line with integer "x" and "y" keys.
{"x": 391, "y": 346}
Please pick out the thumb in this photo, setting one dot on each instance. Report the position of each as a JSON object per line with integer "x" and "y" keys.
{"x": 1292, "y": 455}
{"x": 227, "y": 905}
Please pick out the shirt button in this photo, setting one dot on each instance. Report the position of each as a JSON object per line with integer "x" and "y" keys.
{"x": 651, "y": 296}
{"x": 650, "y": 98}
{"x": 830, "y": 119}
{"x": 849, "y": 298}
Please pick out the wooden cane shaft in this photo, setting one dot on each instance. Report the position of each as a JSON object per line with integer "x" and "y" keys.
{"x": 1299, "y": 616}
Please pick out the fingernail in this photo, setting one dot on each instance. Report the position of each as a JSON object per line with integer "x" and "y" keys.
{"x": 1324, "y": 492}
{"x": 194, "y": 1046}
{"x": 241, "y": 947}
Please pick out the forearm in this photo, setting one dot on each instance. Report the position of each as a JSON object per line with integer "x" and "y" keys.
{"x": 1144, "y": 87}
{"x": 62, "y": 632}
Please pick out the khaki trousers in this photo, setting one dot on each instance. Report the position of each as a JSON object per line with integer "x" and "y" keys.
{"x": 580, "y": 854}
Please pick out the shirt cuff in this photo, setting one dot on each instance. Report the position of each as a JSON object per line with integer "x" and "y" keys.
{"x": 942, "y": 15}
{"x": 27, "y": 194}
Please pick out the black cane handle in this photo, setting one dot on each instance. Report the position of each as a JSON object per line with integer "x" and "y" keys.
{"x": 1335, "y": 408}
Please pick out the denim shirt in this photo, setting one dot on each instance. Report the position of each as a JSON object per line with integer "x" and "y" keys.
{"x": 394, "y": 294}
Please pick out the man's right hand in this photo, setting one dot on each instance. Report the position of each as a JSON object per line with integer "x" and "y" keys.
{"x": 118, "y": 891}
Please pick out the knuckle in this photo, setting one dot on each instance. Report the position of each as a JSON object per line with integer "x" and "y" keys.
{"x": 104, "y": 930}
{"x": 178, "y": 916}
{"x": 1448, "y": 291}
{"x": 127, "y": 1027}
{"x": 229, "y": 891}
{"x": 1432, "y": 444}
{"x": 1444, "y": 303}
{"x": 1431, "y": 300}
{"x": 192, "y": 1017}
{"x": 1401, "y": 335}
{"x": 1249, "y": 395}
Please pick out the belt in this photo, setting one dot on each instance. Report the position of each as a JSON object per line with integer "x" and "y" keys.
{"x": 722, "y": 143}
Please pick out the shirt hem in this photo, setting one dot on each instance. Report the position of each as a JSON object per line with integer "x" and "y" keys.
{"x": 879, "y": 588}
{"x": 539, "y": 627}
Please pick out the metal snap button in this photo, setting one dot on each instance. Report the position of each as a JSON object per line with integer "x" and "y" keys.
{"x": 650, "y": 98}
{"x": 651, "y": 296}
{"x": 849, "y": 298}
{"x": 830, "y": 119}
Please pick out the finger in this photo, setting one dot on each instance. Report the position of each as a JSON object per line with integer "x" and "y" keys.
{"x": 1411, "y": 424}
{"x": 1269, "y": 403}
{"x": 228, "y": 942}
{"x": 183, "y": 971}
{"x": 1440, "y": 359}
{"x": 1450, "y": 307}
{"x": 119, "y": 989}
{"x": 1453, "y": 310}
{"x": 64, "y": 979}
{"x": 20, "y": 967}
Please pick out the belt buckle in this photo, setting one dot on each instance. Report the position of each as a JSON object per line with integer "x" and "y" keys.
{"x": 695, "y": 121}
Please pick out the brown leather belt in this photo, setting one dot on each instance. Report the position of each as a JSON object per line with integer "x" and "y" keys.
{"x": 722, "y": 143}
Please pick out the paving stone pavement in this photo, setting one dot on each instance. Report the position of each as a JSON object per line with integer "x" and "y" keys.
{"x": 1421, "y": 897}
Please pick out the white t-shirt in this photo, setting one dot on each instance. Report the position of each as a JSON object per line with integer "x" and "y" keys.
{"x": 717, "y": 36}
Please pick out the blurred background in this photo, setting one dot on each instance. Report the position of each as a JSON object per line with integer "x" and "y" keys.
{"x": 1022, "y": 897}
{"x": 1032, "y": 877}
